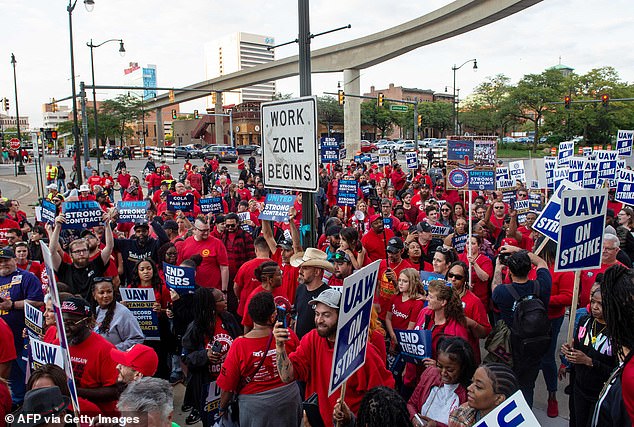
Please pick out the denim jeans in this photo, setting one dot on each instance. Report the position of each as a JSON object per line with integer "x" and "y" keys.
{"x": 549, "y": 361}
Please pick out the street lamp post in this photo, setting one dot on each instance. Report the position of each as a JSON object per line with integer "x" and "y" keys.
{"x": 71, "y": 6}
{"x": 455, "y": 106}
{"x": 143, "y": 131}
{"x": 21, "y": 170}
{"x": 94, "y": 94}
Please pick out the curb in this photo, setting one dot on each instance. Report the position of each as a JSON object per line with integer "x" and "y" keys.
{"x": 29, "y": 186}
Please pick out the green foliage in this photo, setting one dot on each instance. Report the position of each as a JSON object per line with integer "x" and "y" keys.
{"x": 120, "y": 111}
{"x": 329, "y": 111}
{"x": 381, "y": 118}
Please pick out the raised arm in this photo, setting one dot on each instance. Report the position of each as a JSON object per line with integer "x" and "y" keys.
{"x": 53, "y": 244}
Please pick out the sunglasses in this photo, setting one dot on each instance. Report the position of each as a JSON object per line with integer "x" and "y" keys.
{"x": 455, "y": 276}
{"x": 499, "y": 207}
{"x": 101, "y": 279}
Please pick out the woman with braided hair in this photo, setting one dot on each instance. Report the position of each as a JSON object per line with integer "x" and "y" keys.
{"x": 492, "y": 384}
{"x": 617, "y": 396}
{"x": 114, "y": 321}
{"x": 381, "y": 406}
{"x": 269, "y": 275}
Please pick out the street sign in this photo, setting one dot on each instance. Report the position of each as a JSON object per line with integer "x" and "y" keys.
{"x": 14, "y": 143}
{"x": 398, "y": 107}
{"x": 289, "y": 148}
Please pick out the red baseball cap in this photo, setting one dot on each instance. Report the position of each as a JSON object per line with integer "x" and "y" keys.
{"x": 139, "y": 357}
{"x": 374, "y": 218}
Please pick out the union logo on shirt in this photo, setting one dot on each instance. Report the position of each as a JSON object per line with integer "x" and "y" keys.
{"x": 205, "y": 252}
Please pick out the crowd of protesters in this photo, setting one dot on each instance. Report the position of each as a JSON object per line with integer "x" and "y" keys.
{"x": 262, "y": 320}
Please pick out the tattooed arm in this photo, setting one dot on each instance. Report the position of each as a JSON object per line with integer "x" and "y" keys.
{"x": 284, "y": 364}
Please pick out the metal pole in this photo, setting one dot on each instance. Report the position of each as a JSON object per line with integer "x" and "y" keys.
{"x": 143, "y": 125}
{"x": 84, "y": 117}
{"x": 308, "y": 202}
{"x": 231, "y": 143}
{"x": 70, "y": 8}
{"x": 455, "y": 120}
{"x": 94, "y": 103}
{"x": 21, "y": 170}
{"x": 418, "y": 160}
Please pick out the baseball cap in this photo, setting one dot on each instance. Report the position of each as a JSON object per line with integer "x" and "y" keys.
{"x": 329, "y": 297}
{"x": 141, "y": 225}
{"x": 84, "y": 187}
{"x": 395, "y": 244}
{"x": 438, "y": 187}
{"x": 7, "y": 253}
{"x": 139, "y": 357}
{"x": 374, "y": 218}
{"x": 285, "y": 243}
{"x": 77, "y": 306}
{"x": 424, "y": 185}
{"x": 52, "y": 187}
{"x": 342, "y": 256}
{"x": 509, "y": 241}
{"x": 423, "y": 227}
{"x": 86, "y": 233}
{"x": 170, "y": 224}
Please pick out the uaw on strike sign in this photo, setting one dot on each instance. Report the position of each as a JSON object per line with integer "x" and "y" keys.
{"x": 289, "y": 149}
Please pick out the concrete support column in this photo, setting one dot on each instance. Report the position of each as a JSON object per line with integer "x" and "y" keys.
{"x": 352, "y": 112}
{"x": 218, "y": 120}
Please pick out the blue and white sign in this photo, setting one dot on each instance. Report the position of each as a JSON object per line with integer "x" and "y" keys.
{"x": 347, "y": 192}
{"x": 181, "y": 279}
{"x": 34, "y": 321}
{"x": 353, "y": 325}
{"x": 480, "y": 180}
{"x": 411, "y": 159}
{"x": 576, "y": 167}
{"x": 625, "y": 186}
{"x": 590, "y": 173}
{"x": 45, "y": 354}
{"x": 276, "y": 207}
{"x": 49, "y": 211}
{"x": 211, "y": 205}
{"x": 140, "y": 301}
{"x": 329, "y": 150}
{"x": 581, "y": 231}
{"x": 184, "y": 203}
{"x": 588, "y": 152}
{"x": 415, "y": 344}
{"x": 428, "y": 276}
{"x": 81, "y": 215}
{"x": 624, "y": 142}
{"x": 211, "y": 409}
{"x": 384, "y": 159}
{"x": 513, "y": 412}
{"x": 547, "y": 222}
{"x": 132, "y": 211}
{"x": 549, "y": 168}
{"x": 559, "y": 175}
{"x": 502, "y": 172}
{"x": 566, "y": 151}
{"x": 607, "y": 163}
{"x": 517, "y": 171}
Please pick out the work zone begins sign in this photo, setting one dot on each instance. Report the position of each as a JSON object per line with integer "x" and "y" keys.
{"x": 289, "y": 141}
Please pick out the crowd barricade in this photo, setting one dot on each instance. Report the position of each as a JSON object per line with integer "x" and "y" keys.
{"x": 440, "y": 153}
{"x": 165, "y": 153}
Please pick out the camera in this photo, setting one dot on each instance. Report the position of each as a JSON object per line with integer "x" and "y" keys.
{"x": 504, "y": 257}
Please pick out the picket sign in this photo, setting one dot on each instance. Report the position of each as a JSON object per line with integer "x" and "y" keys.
{"x": 514, "y": 411}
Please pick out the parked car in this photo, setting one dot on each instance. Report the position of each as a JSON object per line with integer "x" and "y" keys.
{"x": 427, "y": 142}
{"x": 407, "y": 145}
{"x": 187, "y": 152}
{"x": 225, "y": 153}
{"x": 508, "y": 140}
{"x": 438, "y": 143}
{"x": 367, "y": 146}
{"x": 247, "y": 149}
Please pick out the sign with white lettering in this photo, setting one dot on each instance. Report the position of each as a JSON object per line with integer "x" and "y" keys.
{"x": 607, "y": 163}
{"x": 49, "y": 211}
{"x": 329, "y": 150}
{"x": 411, "y": 160}
{"x": 517, "y": 171}
{"x": 181, "y": 279}
{"x": 514, "y": 411}
{"x": 547, "y": 222}
{"x": 624, "y": 142}
{"x": 81, "y": 215}
{"x": 347, "y": 192}
{"x": 289, "y": 144}
{"x": 415, "y": 344}
{"x": 582, "y": 221}
{"x": 353, "y": 325}
{"x": 184, "y": 203}
{"x": 625, "y": 186}
{"x": 132, "y": 211}
{"x": 566, "y": 151}
{"x": 140, "y": 301}
{"x": 211, "y": 205}
{"x": 276, "y": 207}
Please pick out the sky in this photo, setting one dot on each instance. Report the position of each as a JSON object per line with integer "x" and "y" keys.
{"x": 586, "y": 34}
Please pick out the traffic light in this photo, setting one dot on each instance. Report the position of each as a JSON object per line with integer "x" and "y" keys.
{"x": 196, "y": 116}
{"x": 54, "y": 135}
{"x": 379, "y": 100}
{"x": 171, "y": 95}
{"x": 567, "y": 101}
{"x": 213, "y": 98}
{"x": 420, "y": 120}
{"x": 341, "y": 97}
{"x": 5, "y": 104}
{"x": 173, "y": 113}
{"x": 605, "y": 100}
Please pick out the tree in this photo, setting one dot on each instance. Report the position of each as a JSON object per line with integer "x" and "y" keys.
{"x": 125, "y": 110}
{"x": 380, "y": 117}
{"x": 329, "y": 112}
{"x": 533, "y": 97}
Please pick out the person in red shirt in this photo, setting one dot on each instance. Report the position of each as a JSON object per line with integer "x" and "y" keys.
{"x": 253, "y": 351}
{"x": 124, "y": 180}
{"x": 7, "y": 352}
{"x": 375, "y": 240}
{"x": 94, "y": 179}
{"x": 195, "y": 179}
{"x": 246, "y": 281}
{"x": 269, "y": 275}
{"x": 243, "y": 192}
{"x": 282, "y": 252}
{"x": 23, "y": 261}
{"x": 187, "y": 166}
{"x": 213, "y": 272}
{"x": 405, "y": 305}
{"x": 312, "y": 361}
{"x": 5, "y": 223}
{"x": 94, "y": 370}
{"x": 398, "y": 177}
{"x": 389, "y": 271}
{"x": 481, "y": 269}
{"x": 611, "y": 247}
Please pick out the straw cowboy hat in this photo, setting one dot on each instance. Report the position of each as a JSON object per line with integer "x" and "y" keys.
{"x": 312, "y": 258}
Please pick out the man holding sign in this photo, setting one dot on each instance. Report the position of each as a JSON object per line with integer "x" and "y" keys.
{"x": 312, "y": 361}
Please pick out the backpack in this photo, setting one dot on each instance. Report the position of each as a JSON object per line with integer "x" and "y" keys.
{"x": 530, "y": 331}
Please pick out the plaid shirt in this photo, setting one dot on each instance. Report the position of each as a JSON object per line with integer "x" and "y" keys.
{"x": 239, "y": 250}
{"x": 464, "y": 416}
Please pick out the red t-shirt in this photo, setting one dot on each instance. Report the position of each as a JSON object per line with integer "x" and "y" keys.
{"x": 312, "y": 363}
{"x": 627, "y": 388}
{"x": 93, "y": 180}
{"x": 280, "y": 301}
{"x": 244, "y": 194}
{"x": 243, "y": 359}
{"x": 124, "y": 180}
{"x": 290, "y": 275}
{"x": 93, "y": 367}
{"x": 480, "y": 287}
{"x": 5, "y": 403}
{"x": 474, "y": 309}
{"x": 385, "y": 289}
{"x": 245, "y": 279}
{"x": 35, "y": 268}
{"x": 587, "y": 280}
{"x": 5, "y": 225}
{"x": 214, "y": 255}
{"x": 7, "y": 352}
{"x": 404, "y": 312}
{"x": 375, "y": 244}
{"x": 560, "y": 292}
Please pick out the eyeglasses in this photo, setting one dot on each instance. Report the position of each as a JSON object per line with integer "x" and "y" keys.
{"x": 522, "y": 195}
{"x": 101, "y": 279}
{"x": 610, "y": 249}
{"x": 203, "y": 230}
{"x": 230, "y": 225}
{"x": 79, "y": 251}
{"x": 455, "y": 276}
{"x": 498, "y": 207}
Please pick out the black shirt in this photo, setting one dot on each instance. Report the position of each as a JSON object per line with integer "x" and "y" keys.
{"x": 79, "y": 279}
{"x": 305, "y": 312}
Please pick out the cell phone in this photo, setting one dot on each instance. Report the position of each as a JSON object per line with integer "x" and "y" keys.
{"x": 216, "y": 347}
{"x": 281, "y": 316}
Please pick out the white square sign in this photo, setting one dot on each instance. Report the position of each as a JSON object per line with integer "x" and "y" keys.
{"x": 289, "y": 144}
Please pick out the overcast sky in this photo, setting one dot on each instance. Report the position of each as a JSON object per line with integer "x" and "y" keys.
{"x": 586, "y": 34}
